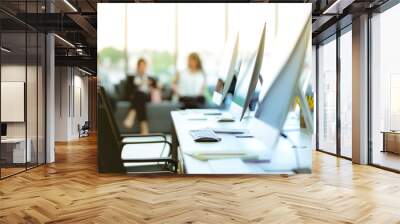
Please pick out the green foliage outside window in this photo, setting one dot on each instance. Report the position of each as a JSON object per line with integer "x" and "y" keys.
{"x": 111, "y": 53}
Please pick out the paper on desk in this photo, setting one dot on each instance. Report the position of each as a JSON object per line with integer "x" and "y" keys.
{"x": 228, "y": 147}
{"x": 228, "y": 166}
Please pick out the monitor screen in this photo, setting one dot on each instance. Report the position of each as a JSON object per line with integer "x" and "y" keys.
{"x": 227, "y": 70}
{"x": 243, "y": 82}
{"x": 248, "y": 79}
{"x": 276, "y": 99}
{"x": 3, "y": 129}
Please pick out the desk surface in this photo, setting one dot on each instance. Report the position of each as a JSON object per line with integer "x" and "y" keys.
{"x": 13, "y": 140}
{"x": 275, "y": 154}
{"x": 391, "y": 132}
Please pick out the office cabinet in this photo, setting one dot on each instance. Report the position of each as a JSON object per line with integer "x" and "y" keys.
{"x": 391, "y": 142}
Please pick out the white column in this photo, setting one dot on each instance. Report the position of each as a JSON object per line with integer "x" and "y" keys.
{"x": 360, "y": 90}
{"x": 62, "y": 103}
{"x": 50, "y": 94}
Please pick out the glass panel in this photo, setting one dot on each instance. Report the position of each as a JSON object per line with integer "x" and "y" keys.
{"x": 327, "y": 96}
{"x": 314, "y": 87}
{"x": 386, "y": 89}
{"x": 346, "y": 94}
{"x": 41, "y": 98}
{"x": 32, "y": 88}
{"x": 22, "y": 87}
{"x": 31, "y": 97}
{"x": 14, "y": 153}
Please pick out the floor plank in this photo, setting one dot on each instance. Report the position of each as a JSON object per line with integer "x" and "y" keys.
{"x": 71, "y": 191}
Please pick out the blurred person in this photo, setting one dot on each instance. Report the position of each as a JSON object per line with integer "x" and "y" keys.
{"x": 190, "y": 84}
{"x": 137, "y": 92}
{"x": 141, "y": 77}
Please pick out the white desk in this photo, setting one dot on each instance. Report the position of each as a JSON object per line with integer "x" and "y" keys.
{"x": 18, "y": 149}
{"x": 282, "y": 158}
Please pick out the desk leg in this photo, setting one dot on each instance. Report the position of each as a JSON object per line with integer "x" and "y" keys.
{"x": 384, "y": 143}
{"x": 175, "y": 145}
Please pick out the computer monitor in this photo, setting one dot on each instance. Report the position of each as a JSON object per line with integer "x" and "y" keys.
{"x": 227, "y": 71}
{"x": 247, "y": 80}
{"x": 276, "y": 99}
{"x": 3, "y": 130}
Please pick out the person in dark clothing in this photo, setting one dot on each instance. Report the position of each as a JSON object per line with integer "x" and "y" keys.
{"x": 135, "y": 92}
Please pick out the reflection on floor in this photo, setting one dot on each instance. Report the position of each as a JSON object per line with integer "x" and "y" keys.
{"x": 386, "y": 159}
{"x": 11, "y": 169}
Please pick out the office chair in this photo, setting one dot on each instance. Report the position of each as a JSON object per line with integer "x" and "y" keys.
{"x": 135, "y": 153}
{"x": 84, "y": 129}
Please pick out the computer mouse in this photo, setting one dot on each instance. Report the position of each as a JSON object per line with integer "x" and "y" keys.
{"x": 226, "y": 120}
{"x": 207, "y": 139}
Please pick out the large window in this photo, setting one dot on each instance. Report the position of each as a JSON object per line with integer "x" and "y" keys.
{"x": 151, "y": 37}
{"x": 385, "y": 84}
{"x": 165, "y": 34}
{"x": 335, "y": 60}
{"x": 111, "y": 41}
{"x": 327, "y": 96}
{"x": 202, "y": 34}
{"x": 346, "y": 93}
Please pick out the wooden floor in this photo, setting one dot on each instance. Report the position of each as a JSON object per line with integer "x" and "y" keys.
{"x": 10, "y": 171}
{"x": 71, "y": 191}
{"x": 386, "y": 159}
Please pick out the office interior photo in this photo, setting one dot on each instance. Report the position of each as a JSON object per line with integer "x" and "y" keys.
{"x": 262, "y": 64}
{"x": 149, "y": 112}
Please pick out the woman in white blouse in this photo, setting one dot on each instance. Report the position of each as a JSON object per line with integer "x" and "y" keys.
{"x": 189, "y": 85}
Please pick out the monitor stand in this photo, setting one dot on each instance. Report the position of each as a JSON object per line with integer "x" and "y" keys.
{"x": 248, "y": 115}
{"x": 229, "y": 117}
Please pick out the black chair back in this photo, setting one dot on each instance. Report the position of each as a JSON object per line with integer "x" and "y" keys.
{"x": 108, "y": 137}
{"x": 110, "y": 117}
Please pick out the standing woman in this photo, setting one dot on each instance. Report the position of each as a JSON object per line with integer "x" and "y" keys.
{"x": 190, "y": 84}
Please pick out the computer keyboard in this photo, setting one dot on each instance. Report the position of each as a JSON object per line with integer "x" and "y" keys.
{"x": 204, "y": 135}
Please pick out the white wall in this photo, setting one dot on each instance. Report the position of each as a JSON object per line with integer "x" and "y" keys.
{"x": 62, "y": 82}
{"x": 71, "y": 94}
{"x": 12, "y": 73}
{"x": 33, "y": 126}
{"x": 80, "y": 102}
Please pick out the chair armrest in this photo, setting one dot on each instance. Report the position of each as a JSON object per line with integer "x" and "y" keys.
{"x": 144, "y": 136}
{"x": 147, "y": 142}
{"x": 145, "y": 160}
